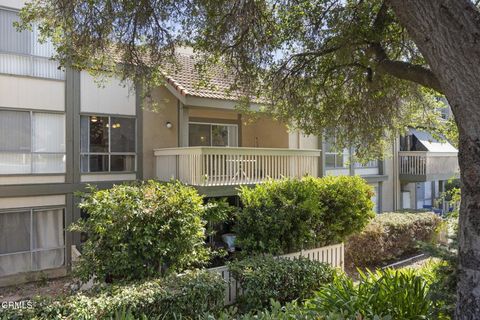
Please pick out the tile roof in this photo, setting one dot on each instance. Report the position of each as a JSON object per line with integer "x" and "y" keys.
{"x": 186, "y": 79}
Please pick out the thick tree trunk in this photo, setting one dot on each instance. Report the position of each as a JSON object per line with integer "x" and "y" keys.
{"x": 447, "y": 32}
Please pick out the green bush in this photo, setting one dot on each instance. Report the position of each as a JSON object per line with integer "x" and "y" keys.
{"x": 389, "y": 294}
{"x": 136, "y": 231}
{"x": 389, "y": 236}
{"x": 443, "y": 272}
{"x": 263, "y": 278}
{"x": 176, "y": 296}
{"x": 289, "y": 215}
{"x": 277, "y": 311}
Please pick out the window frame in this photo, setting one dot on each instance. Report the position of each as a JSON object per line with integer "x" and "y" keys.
{"x": 31, "y": 152}
{"x": 56, "y": 74}
{"x": 109, "y": 153}
{"x": 32, "y": 251}
{"x": 336, "y": 154}
{"x": 369, "y": 165}
{"x": 211, "y": 124}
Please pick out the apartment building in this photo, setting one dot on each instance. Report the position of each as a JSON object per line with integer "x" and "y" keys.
{"x": 60, "y": 130}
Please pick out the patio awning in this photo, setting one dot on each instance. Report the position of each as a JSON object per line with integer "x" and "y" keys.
{"x": 432, "y": 144}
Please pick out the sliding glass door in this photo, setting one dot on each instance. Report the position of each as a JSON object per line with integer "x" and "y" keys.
{"x": 212, "y": 135}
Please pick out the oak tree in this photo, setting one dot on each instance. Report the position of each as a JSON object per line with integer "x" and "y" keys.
{"x": 363, "y": 69}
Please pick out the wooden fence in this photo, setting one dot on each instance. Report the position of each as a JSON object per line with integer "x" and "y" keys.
{"x": 333, "y": 255}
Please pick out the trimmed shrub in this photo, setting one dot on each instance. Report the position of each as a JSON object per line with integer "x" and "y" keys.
{"x": 263, "y": 278}
{"x": 389, "y": 236}
{"x": 288, "y": 215}
{"x": 176, "y": 296}
{"x": 136, "y": 231}
{"x": 387, "y": 294}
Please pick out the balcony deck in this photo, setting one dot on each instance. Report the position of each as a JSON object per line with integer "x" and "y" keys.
{"x": 228, "y": 166}
{"x": 418, "y": 166}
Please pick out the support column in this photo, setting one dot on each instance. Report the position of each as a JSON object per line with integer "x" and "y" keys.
{"x": 182, "y": 125}
{"x": 139, "y": 133}
{"x": 352, "y": 162}
{"x": 321, "y": 159}
{"x": 72, "y": 139}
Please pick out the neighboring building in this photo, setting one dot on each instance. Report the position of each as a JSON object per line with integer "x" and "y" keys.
{"x": 60, "y": 131}
{"x": 425, "y": 165}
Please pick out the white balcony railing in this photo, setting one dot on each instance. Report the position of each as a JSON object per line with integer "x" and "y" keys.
{"x": 428, "y": 163}
{"x": 218, "y": 166}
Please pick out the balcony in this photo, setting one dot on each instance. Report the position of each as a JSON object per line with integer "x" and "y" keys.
{"x": 228, "y": 166}
{"x": 418, "y": 166}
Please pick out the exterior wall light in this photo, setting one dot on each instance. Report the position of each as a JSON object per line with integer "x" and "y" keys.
{"x": 169, "y": 125}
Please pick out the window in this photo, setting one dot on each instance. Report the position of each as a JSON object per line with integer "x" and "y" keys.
{"x": 333, "y": 158}
{"x": 21, "y": 53}
{"x": 368, "y": 164}
{"x": 215, "y": 135}
{"x": 31, "y": 142}
{"x": 31, "y": 240}
{"x": 108, "y": 144}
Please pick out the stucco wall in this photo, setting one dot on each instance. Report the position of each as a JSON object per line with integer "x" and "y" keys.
{"x": 30, "y": 93}
{"x": 35, "y": 201}
{"x": 391, "y": 187}
{"x": 297, "y": 140}
{"x": 105, "y": 96}
{"x": 209, "y": 113}
{"x": 155, "y": 133}
{"x": 264, "y": 133}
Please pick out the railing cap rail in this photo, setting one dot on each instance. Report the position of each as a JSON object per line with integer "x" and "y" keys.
{"x": 427, "y": 153}
{"x": 236, "y": 151}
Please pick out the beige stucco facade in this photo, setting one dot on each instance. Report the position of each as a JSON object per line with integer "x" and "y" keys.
{"x": 156, "y": 135}
{"x": 264, "y": 133}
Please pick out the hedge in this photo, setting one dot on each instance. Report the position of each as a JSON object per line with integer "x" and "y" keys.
{"x": 263, "y": 278}
{"x": 389, "y": 236}
{"x": 139, "y": 230}
{"x": 282, "y": 216}
{"x": 177, "y": 296}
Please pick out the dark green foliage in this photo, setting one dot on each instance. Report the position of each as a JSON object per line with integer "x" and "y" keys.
{"x": 289, "y": 215}
{"x": 316, "y": 64}
{"x": 389, "y": 236}
{"x": 137, "y": 231}
{"x": 444, "y": 276}
{"x": 390, "y": 293}
{"x": 185, "y": 296}
{"x": 264, "y": 278}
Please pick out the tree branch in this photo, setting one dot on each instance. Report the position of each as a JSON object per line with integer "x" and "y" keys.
{"x": 404, "y": 70}
{"x": 410, "y": 72}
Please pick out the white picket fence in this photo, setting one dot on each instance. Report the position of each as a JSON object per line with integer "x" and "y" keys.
{"x": 333, "y": 255}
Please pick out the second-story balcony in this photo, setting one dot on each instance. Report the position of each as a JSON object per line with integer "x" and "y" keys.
{"x": 418, "y": 166}
{"x": 231, "y": 166}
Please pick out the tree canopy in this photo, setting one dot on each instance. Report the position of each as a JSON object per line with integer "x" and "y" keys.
{"x": 361, "y": 69}
{"x": 346, "y": 67}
